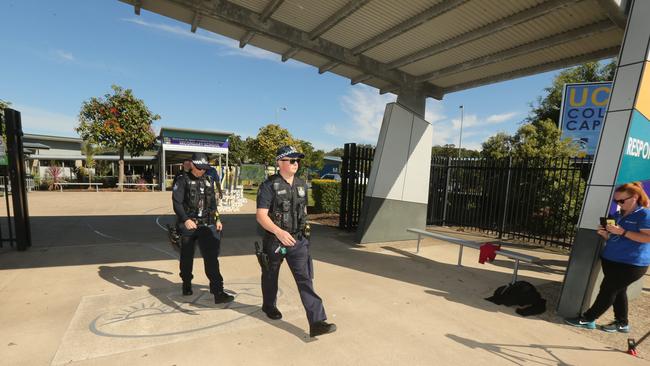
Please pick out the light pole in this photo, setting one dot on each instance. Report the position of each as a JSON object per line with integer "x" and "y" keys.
{"x": 277, "y": 113}
{"x": 460, "y": 139}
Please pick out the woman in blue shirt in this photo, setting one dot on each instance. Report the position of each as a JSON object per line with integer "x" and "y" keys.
{"x": 624, "y": 260}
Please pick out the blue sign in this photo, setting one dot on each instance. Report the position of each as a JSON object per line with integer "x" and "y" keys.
{"x": 583, "y": 112}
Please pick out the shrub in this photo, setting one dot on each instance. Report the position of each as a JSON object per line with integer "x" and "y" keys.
{"x": 327, "y": 195}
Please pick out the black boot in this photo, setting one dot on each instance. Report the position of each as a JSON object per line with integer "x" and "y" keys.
{"x": 272, "y": 312}
{"x": 223, "y": 297}
{"x": 320, "y": 328}
{"x": 187, "y": 289}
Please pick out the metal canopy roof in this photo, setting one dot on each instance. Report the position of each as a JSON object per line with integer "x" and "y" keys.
{"x": 437, "y": 46}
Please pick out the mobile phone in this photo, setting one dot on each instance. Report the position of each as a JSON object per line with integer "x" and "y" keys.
{"x": 603, "y": 221}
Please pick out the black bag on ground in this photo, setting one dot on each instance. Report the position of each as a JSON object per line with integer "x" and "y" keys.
{"x": 520, "y": 293}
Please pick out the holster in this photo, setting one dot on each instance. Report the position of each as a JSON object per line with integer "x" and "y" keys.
{"x": 262, "y": 258}
{"x": 174, "y": 237}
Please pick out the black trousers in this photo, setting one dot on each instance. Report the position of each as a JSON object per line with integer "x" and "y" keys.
{"x": 613, "y": 290}
{"x": 210, "y": 245}
{"x": 301, "y": 266}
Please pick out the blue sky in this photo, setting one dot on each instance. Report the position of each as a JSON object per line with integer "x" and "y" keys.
{"x": 56, "y": 54}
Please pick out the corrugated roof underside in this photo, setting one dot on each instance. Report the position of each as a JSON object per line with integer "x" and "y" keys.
{"x": 567, "y": 50}
{"x": 521, "y": 34}
{"x": 454, "y": 23}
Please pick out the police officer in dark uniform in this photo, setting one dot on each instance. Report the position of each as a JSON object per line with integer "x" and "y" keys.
{"x": 282, "y": 212}
{"x": 195, "y": 206}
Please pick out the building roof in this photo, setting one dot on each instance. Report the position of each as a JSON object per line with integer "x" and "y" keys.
{"x": 52, "y": 138}
{"x": 440, "y": 46}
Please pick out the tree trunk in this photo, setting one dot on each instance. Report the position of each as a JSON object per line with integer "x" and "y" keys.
{"x": 120, "y": 179}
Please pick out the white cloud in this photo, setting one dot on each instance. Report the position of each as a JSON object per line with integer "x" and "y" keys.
{"x": 40, "y": 121}
{"x": 500, "y": 118}
{"x": 66, "y": 56}
{"x": 231, "y": 45}
{"x": 364, "y": 108}
{"x": 475, "y": 129}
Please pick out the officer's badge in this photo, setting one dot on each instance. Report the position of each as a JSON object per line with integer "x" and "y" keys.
{"x": 284, "y": 191}
{"x": 301, "y": 192}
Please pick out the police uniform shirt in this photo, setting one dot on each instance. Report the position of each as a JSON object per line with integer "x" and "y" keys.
{"x": 179, "y": 197}
{"x": 266, "y": 193}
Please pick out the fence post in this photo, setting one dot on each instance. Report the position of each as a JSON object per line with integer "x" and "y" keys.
{"x": 343, "y": 208}
{"x": 505, "y": 204}
{"x": 444, "y": 208}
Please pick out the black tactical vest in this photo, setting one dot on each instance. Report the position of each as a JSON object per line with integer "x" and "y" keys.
{"x": 289, "y": 205}
{"x": 195, "y": 190}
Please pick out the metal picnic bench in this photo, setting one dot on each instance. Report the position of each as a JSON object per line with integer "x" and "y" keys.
{"x": 518, "y": 257}
{"x": 61, "y": 184}
{"x": 152, "y": 185}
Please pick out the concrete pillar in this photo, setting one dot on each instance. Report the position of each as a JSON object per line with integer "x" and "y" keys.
{"x": 397, "y": 191}
{"x": 627, "y": 121}
{"x": 413, "y": 99}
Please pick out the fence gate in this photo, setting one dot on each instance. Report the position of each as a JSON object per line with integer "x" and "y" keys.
{"x": 355, "y": 171}
{"x": 16, "y": 231}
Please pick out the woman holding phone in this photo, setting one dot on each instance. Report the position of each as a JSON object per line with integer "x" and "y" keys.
{"x": 624, "y": 259}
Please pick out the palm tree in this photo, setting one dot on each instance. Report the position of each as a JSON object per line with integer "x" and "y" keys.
{"x": 88, "y": 149}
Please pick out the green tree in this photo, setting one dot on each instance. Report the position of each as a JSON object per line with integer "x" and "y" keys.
{"x": 237, "y": 150}
{"x": 313, "y": 160}
{"x": 264, "y": 147}
{"x": 118, "y": 120}
{"x": 451, "y": 151}
{"x": 335, "y": 152}
{"x": 548, "y": 107}
{"x": 497, "y": 146}
{"x": 3, "y": 104}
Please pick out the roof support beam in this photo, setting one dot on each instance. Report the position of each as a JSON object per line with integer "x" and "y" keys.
{"x": 195, "y": 21}
{"x": 537, "y": 45}
{"x": 406, "y": 26}
{"x": 360, "y": 79}
{"x": 270, "y": 9}
{"x": 549, "y": 66}
{"x": 481, "y": 32}
{"x": 336, "y": 18}
{"x": 614, "y": 12}
{"x": 246, "y": 38}
{"x": 245, "y": 18}
{"x": 290, "y": 53}
{"x": 328, "y": 66}
{"x": 137, "y": 6}
{"x": 389, "y": 89}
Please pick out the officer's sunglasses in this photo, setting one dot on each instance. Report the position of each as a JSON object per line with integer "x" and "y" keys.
{"x": 620, "y": 202}
{"x": 291, "y": 161}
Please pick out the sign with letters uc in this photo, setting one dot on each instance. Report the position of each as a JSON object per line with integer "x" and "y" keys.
{"x": 584, "y": 106}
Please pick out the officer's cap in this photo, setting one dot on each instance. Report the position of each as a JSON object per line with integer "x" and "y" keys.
{"x": 288, "y": 152}
{"x": 200, "y": 161}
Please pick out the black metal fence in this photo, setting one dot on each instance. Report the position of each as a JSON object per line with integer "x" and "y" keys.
{"x": 355, "y": 170}
{"x": 538, "y": 201}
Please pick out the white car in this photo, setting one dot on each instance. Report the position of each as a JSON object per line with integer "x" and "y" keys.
{"x": 331, "y": 176}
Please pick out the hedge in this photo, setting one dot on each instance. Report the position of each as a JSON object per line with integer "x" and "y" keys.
{"x": 327, "y": 195}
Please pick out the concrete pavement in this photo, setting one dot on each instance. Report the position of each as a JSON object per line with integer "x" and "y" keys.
{"x": 100, "y": 287}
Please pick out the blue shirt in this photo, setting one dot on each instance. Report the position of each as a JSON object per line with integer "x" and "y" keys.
{"x": 623, "y": 250}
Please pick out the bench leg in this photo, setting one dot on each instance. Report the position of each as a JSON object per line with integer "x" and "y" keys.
{"x": 417, "y": 250}
{"x": 514, "y": 274}
{"x": 460, "y": 255}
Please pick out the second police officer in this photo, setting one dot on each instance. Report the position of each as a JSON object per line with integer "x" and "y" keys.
{"x": 282, "y": 212}
{"x": 195, "y": 206}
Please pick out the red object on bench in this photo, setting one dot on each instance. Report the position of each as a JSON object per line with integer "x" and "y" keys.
{"x": 488, "y": 252}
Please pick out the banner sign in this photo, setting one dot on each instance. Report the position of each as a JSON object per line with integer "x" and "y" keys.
{"x": 582, "y": 114}
{"x": 194, "y": 142}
